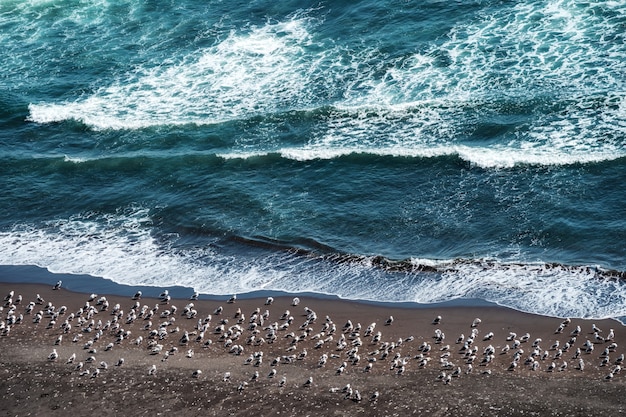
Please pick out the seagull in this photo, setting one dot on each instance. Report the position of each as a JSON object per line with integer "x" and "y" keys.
{"x": 611, "y": 335}
{"x": 295, "y": 301}
{"x": 196, "y": 373}
{"x": 137, "y": 295}
{"x": 232, "y": 299}
{"x": 152, "y": 370}
{"x": 437, "y": 320}
{"x": 57, "y": 285}
{"x": 194, "y": 296}
{"x": 120, "y": 362}
{"x": 389, "y": 321}
{"x": 476, "y": 322}
{"x": 71, "y": 358}
{"x": 309, "y": 382}
{"x": 374, "y": 396}
{"x": 283, "y": 381}
{"x": 53, "y": 356}
{"x": 242, "y": 386}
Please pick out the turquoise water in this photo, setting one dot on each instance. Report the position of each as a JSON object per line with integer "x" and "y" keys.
{"x": 390, "y": 151}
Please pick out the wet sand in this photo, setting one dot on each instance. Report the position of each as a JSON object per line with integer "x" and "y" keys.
{"x": 417, "y": 367}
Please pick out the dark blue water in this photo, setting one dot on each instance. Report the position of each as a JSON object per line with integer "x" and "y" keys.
{"x": 390, "y": 151}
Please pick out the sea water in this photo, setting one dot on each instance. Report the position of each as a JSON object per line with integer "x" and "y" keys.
{"x": 394, "y": 151}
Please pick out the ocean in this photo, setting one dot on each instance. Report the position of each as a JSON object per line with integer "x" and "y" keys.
{"x": 390, "y": 151}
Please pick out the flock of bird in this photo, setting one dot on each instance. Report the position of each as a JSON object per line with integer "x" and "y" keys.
{"x": 318, "y": 345}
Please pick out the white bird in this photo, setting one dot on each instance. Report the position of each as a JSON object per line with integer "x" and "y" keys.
{"x": 309, "y": 382}
{"x": 611, "y": 335}
{"x": 476, "y": 322}
{"x": 53, "y": 356}
{"x": 71, "y": 358}
{"x": 226, "y": 376}
{"x": 232, "y": 299}
{"x": 196, "y": 373}
{"x": 137, "y": 295}
{"x": 295, "y": 301}
{"x": 152, "y": 370}
{"x": 57, "y": 285}
{"x": 389, "y": 321}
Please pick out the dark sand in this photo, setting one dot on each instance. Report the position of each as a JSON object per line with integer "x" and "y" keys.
{"x": 31, "y": 384}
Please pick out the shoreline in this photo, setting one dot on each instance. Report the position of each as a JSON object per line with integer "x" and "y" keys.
{"x": 82, "y": 283}
{"x": 86, "y": 284}
{"x": 412, "y": 370}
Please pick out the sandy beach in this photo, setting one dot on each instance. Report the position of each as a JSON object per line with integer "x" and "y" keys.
{"x": 61, "y": 354}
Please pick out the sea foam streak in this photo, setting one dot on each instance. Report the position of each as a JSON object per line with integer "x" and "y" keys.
{"x": 121, "y": 247}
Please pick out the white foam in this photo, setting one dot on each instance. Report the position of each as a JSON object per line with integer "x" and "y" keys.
{"x": 121, "y": 247}
{"x": 253, "y": 71}
{"x": 422, "y": 105}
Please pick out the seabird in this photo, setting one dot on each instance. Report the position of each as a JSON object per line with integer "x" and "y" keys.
{"x": 152, "y": 370}
{"x": 242, "y": 386}
{"x": 120, "y": 362}
{"x": 53, "y": 356}
{"x": 232, "y": 299}
{"x": 389, "y": 321}
{"x": 71, "y": 358}
{"x": 57, "y": 285}
{"x": 137, "y": 295}
{"x": 196, "y": 373}
{"x": 374, "y": 396}
{"x": 611, "y": 335}
{"x": 309, "y": 382}
{"x": 437, "y": 320}
{"x": 283, "y": 381}
{"x": 476, "y": 322}
{"x": 269, "y": 301}
{"x": 194, "y": 296}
